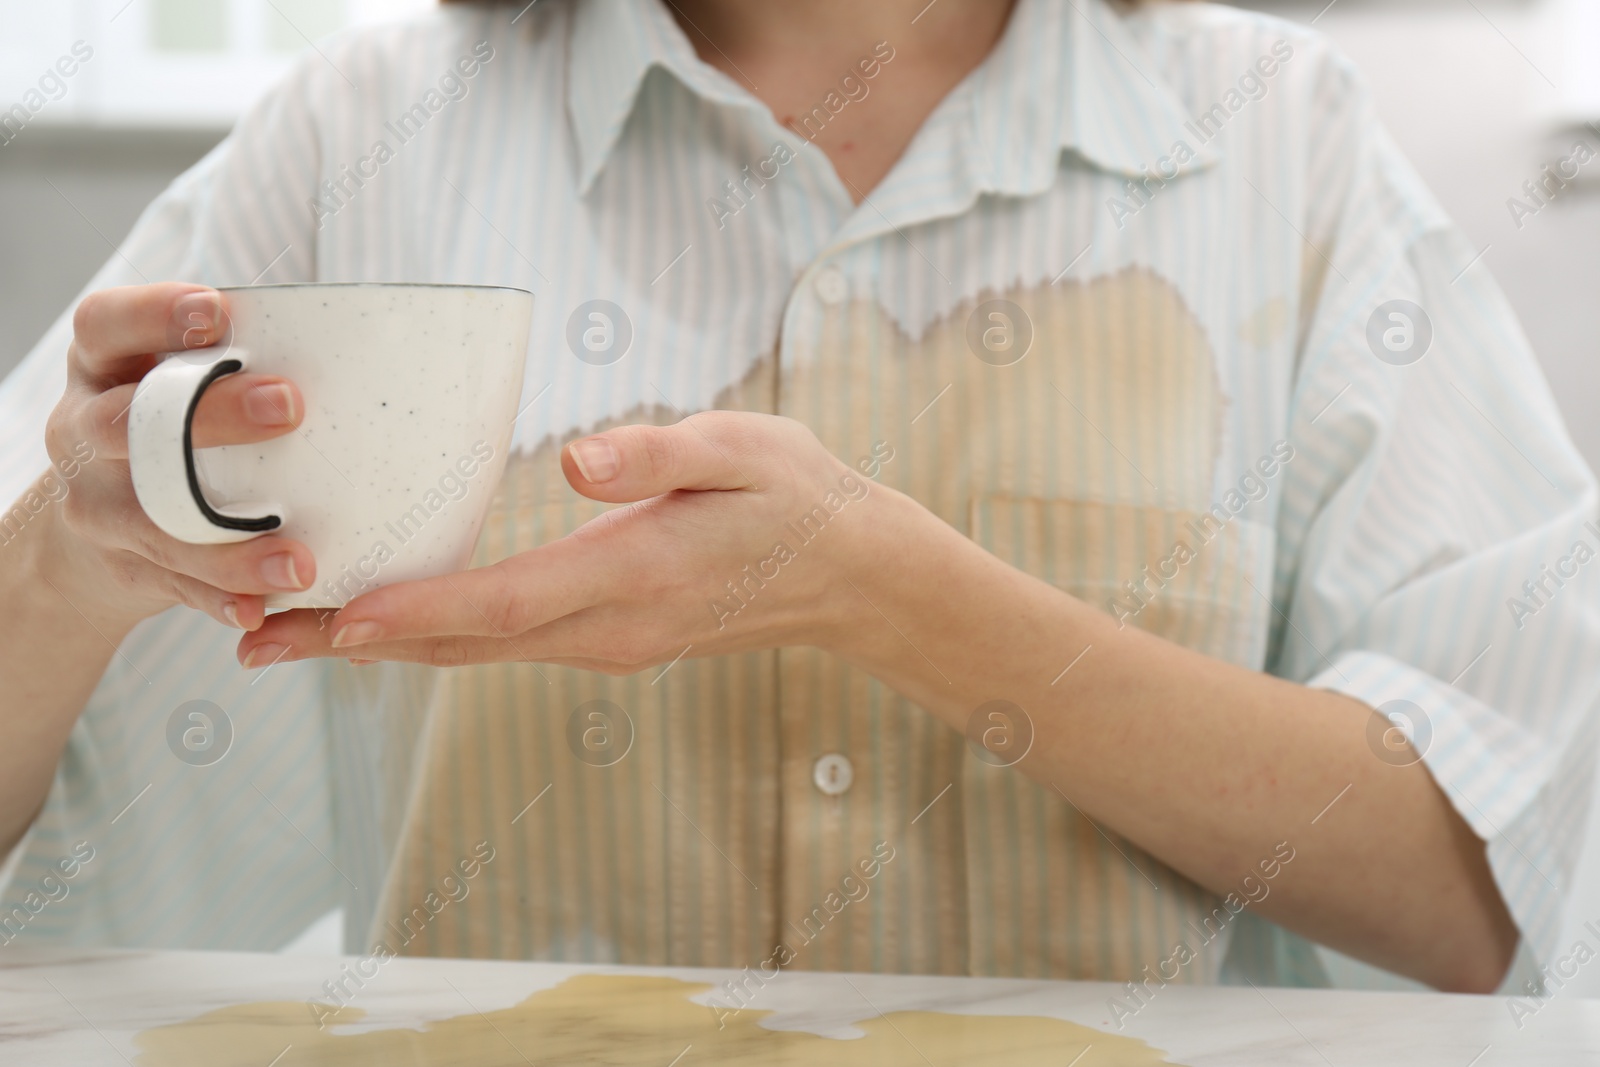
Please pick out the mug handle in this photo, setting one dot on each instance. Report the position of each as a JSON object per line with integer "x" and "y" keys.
{"x": 161, "y": 453}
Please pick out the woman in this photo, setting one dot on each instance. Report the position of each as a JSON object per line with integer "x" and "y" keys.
{"x": 1054, "y": 434}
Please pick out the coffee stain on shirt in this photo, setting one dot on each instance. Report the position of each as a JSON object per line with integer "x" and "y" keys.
{"x": 625, "y": 1021}
{"x": 1079, "y": 456}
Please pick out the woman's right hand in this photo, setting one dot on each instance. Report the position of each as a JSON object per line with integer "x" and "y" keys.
{"x": 110, "y": 560}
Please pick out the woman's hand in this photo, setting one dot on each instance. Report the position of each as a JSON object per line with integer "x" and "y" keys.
{"x": 740, "y": 529}
{"x": 109, "y": 559}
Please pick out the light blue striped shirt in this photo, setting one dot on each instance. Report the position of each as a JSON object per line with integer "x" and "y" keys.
{"x": 1424, "y": 541}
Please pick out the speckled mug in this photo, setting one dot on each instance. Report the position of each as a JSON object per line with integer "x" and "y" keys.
{"x": 410, "y": 394}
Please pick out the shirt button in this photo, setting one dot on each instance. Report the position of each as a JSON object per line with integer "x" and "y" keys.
{"x": 831, "y": 286}
{"x": 833, "y": 774}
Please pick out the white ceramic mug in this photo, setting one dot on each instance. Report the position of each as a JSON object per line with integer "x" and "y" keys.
{"x": 410, "y": 395}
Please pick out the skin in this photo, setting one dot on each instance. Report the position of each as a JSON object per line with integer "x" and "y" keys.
{"x": 797, "y": 53}
{"x": 86, "y": 570}
{"x": 1206, "y": 765}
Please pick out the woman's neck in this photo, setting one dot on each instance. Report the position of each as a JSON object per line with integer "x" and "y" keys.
{"x": 793, "y": 55}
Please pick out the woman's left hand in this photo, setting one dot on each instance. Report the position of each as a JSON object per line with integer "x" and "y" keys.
{"x": 740, "y": 533}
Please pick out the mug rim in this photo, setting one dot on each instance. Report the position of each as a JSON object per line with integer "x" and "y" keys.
{"x": 373, "y": 285}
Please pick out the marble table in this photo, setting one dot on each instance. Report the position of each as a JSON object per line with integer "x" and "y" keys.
{"x": 89, "y": 1007}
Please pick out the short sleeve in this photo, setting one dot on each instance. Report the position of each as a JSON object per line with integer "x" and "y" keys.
{"x": 1437, "y": 542}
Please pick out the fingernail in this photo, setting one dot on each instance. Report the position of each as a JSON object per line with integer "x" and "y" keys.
{"x": 279, "y": 572}
{"x": 270, "y": 405}
{"x": 596, "y": 459}
{"x": 230, "y": 611}
{"x": 361, "y": 662}
{"x": 357, "y": 633}
{"x": 196, "y": 316}
{"x": 264, "y": 656}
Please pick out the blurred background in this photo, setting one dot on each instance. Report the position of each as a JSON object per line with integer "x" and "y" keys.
{"x": 1481, "y": 94}
{"x": 164, "y": 82}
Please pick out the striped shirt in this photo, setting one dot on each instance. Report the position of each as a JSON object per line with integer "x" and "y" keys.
{"x": 1151, "y": 308}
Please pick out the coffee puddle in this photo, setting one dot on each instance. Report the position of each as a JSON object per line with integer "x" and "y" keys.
{"x": 625, "y": 1021}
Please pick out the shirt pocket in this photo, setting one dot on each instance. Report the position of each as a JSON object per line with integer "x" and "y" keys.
{"x": 1186, "y": 576}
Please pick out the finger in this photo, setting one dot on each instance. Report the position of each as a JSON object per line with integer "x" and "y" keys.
{"x": 712, "y": 450}
{"x": 241, "y": 611}
{"x": 239, "y": 409}
{"x": 256, "y": 567}
{"x": 115, "y": 330}
{"x": 499, "y": 601}
{"x": 246, "y": 408}
{"x": 287, "y": 636}
{"x": 237, "y": 610}
{"x": 297, "y": 635}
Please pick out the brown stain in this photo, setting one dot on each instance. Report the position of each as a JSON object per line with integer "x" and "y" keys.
{"x": 1119, "y": 390}
{"x": 1117, "y": 400}
{"x": 1079, "y": 464}
{"x": 626, "y": 1021}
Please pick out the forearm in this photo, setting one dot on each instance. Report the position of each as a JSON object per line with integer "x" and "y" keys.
{"x": 54, "y": 646}
{"x": 1206, "y": 765}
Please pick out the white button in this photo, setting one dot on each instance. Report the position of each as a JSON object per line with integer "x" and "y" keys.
{"x": 833, "y": 774}
{"x": 831, "y": 286}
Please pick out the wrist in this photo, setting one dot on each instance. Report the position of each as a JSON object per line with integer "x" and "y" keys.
{"x": 931, "y": 613}
{"x": 57, "y": 574}
{"x": 882, "y": 577}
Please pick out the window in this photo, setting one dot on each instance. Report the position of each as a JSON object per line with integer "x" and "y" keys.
{"x": 160, "y": 62}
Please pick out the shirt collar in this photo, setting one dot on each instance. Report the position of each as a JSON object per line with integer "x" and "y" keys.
{"x": 1071, "y": 75}
{"x": 613, "y": 46}
{"x": 1066, "y": 75}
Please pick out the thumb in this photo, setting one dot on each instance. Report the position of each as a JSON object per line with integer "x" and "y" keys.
{"x": 639, "y": 462}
